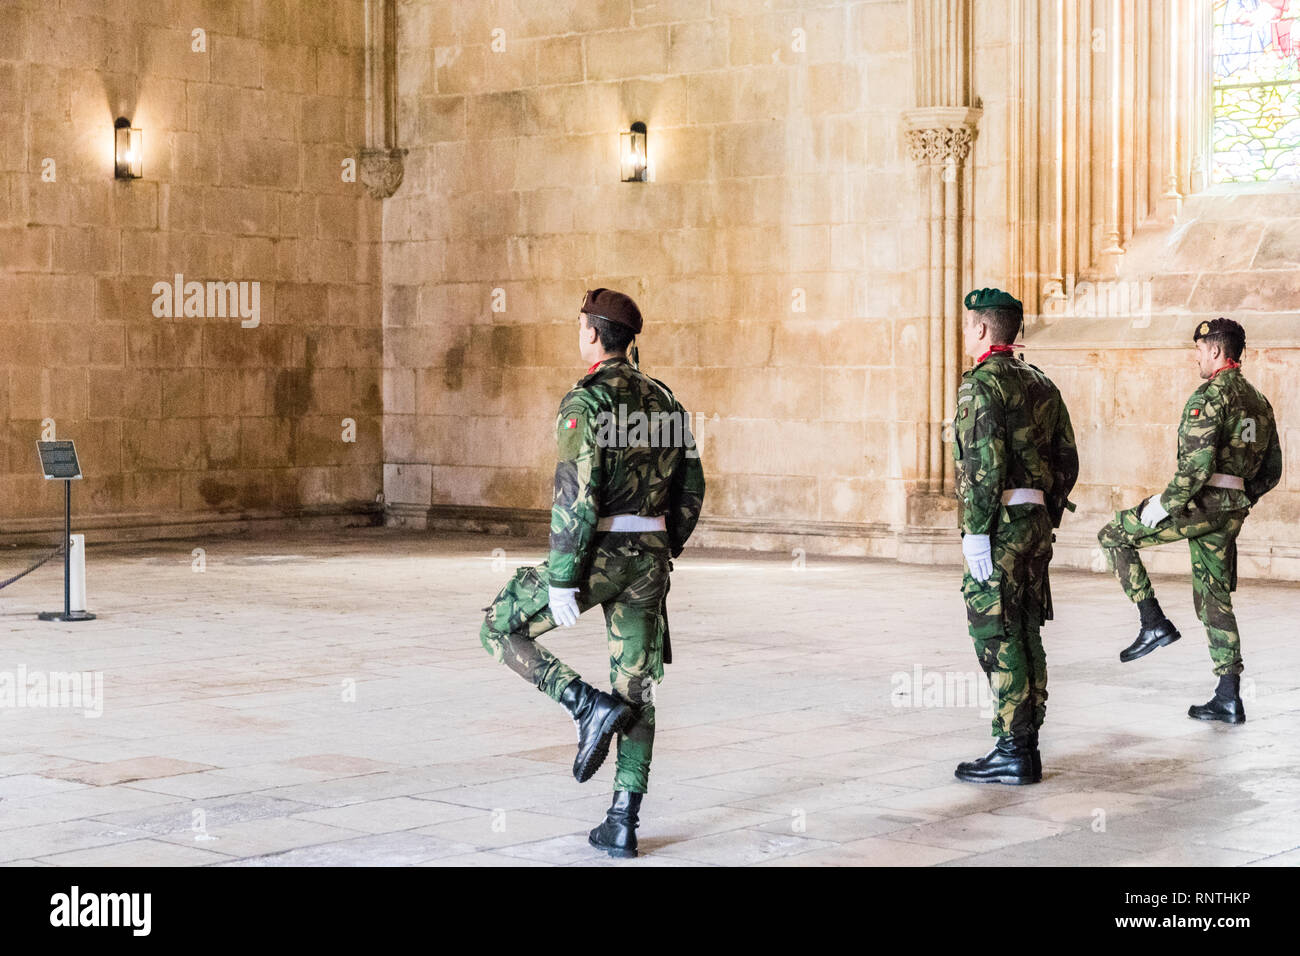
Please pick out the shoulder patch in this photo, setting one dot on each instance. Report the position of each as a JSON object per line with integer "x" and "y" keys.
{"x": 571, "y": 434}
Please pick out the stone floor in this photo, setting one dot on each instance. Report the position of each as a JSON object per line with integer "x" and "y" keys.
{"x": 324, "y": 700}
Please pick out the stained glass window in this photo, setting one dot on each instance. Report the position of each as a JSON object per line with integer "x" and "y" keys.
{"x": 1256, "y": 90}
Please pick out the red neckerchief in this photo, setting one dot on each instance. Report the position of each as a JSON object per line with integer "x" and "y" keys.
{"x": 1231, "y": 364}
{"x": 612, "y": 358}
{"x": 999, "y": 348}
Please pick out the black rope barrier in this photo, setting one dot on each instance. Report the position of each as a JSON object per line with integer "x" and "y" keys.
{"x": 22, "y": 574}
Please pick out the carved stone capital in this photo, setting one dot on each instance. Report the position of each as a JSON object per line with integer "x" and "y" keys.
{"x": 382, "y": 171}
{"x": 940, "y": 135}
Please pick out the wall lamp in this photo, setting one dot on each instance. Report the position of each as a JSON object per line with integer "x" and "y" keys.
{"x": 128, "y": 150}
{"x": 634, "y": 164}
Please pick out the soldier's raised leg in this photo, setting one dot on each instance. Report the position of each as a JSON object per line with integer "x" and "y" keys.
{"x": 511, "y": 626}
{"x": 1120, "y": 540}
{"x": 1211, "y": 538}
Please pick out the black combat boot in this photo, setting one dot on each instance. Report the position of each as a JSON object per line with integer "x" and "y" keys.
{"x": 1225, "y": 705}
{"x": 1036, "y": 758}
{"x": 598, "y": 717}
{"x": 1156, "y": 631}
{"x": 617, "y": 835}
{"x": 1009, "y": 762}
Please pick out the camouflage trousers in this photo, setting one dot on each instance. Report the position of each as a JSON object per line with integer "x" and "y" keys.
{"x": 628, "y": 578}
{"x": 1212, "y": 538}
{"x": 1006, "y": 614}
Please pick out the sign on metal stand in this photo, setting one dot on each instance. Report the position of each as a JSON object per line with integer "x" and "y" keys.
{"x": 59, "y": 463}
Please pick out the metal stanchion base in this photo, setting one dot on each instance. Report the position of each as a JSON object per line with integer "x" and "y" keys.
{"x": 70, "y": 616}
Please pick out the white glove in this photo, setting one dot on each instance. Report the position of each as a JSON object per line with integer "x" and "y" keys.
{"x": 564, "y": 605}
{"x": 979, "y": 555}
{"x": 1153, "y": 512}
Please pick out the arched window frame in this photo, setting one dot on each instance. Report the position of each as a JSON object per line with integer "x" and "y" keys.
{"x": 1213, "y": 175}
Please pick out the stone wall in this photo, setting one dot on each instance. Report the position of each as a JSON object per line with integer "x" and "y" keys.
{"x": 772, "y": 255}
{"x": 786, "y": 255}
{"x": 186, "y": 419}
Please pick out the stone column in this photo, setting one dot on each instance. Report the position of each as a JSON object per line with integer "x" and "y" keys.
{"x": 939, "y": 133}
{"x": 1110, "y": 129}
{"x": 381, "y": 165}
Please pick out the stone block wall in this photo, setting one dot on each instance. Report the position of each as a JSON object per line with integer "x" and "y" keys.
{"x": 778, "y": 254}
{"x": 189, "y": 417}
{"x": 772, "y": 254}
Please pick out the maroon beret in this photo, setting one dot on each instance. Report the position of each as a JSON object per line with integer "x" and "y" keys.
{"x": 613, "y": 307}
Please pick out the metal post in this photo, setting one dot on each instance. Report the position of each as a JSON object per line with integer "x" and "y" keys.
{"x": 67, "y": 549}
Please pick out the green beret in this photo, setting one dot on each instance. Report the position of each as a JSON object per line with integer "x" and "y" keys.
{"x": 1220, "y": 326}
{"x": 992, "y": 299}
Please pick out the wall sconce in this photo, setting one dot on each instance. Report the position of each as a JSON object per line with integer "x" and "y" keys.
{"x": 128, "y": 150}
{"x": 634, "y": 163}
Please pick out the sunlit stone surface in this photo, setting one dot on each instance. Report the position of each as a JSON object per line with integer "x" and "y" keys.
{"x": 324, "y": 700}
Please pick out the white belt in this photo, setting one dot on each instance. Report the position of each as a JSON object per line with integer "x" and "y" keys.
{"x": 632, "y": 523}
{"x": 1219, "y": 480}
{"x": 1023, "y": 496}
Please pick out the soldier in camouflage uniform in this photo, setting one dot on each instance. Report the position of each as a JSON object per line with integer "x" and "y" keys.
{"x": 628, "y": 490}
{"x": 1229, "y": 457}
{"x": 1016, "y": 465}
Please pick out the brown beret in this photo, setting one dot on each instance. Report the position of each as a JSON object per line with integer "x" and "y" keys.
{"x": 613, "y": 307}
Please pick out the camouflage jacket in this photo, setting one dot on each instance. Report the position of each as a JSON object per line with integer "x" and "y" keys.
{"x": 1227, "y": 427}
{"x": 624, "y": 447}
{"x": 1011, "y": 430}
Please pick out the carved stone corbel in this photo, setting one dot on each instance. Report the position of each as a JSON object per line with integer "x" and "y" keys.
{"x": 943, "y": 144}
{"x": 382, "y": 160}
{"x": 381, "y": 171}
